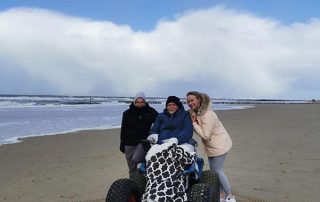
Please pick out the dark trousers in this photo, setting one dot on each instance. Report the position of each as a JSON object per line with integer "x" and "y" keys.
{"x": 134, "y": 155}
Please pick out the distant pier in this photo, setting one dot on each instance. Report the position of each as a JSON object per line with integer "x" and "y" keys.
{"x": 232, "y": 101}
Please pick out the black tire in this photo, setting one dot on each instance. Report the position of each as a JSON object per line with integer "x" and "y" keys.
{"x": 211, "y": 178}
{"x": 200, "y": 193}
{"x": 140, "y": 180}
{"x": 123, "y": 190}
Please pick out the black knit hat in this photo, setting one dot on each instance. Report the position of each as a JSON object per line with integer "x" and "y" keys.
{"x": 173, "y": 99}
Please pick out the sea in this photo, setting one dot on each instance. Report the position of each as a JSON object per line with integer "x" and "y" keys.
{"x": 34, "y": 115}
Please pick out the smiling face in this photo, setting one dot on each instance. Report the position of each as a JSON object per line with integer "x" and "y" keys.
{"x": 193, "y": 102}
{"x": 172, "y": 107}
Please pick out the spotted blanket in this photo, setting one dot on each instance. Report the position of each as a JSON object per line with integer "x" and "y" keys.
{"x": 164, "y": 171}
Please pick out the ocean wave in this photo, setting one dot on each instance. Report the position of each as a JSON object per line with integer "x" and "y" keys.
{"x": 17, "y": 139}
{"x": 14, "y": 123}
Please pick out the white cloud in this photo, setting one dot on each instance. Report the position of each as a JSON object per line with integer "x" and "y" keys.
{"x": 220, "y": 51}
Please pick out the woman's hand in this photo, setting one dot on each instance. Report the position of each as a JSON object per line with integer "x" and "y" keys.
{"x": 194, "y": 118}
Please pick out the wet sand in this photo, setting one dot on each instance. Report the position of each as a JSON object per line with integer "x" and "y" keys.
{"x": 275, "y": 157}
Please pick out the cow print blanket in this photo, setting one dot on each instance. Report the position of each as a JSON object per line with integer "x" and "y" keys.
{"x": 164, "y": 171}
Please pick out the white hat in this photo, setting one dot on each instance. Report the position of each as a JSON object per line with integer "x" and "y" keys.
{"x": 140, "y": 95}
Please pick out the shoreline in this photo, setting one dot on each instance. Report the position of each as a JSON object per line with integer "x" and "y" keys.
{"x": 18, "y": 139}
{"x": 275, "y": 157}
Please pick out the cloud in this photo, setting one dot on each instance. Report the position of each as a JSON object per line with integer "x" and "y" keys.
{"x": 223, "y": 52}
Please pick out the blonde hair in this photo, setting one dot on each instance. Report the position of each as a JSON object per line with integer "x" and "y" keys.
{"x": 197, "y": 94}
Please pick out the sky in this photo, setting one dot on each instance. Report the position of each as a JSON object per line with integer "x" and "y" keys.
{"x": 228, "y": 49}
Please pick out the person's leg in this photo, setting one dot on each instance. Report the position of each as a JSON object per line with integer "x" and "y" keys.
{"x": 139, "y": 154}
{"x": 216, "y": 165}
{"x": 129, "y": 152}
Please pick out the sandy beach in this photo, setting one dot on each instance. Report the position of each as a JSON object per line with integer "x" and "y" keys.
{"x": 275, "y": 157}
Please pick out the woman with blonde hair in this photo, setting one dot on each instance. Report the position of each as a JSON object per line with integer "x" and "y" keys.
{"x": 215, "y": 138}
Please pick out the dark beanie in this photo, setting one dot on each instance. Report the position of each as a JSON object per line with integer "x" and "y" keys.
{"x": 173, "y": 99}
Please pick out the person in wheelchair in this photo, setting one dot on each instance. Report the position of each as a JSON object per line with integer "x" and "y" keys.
{"x": 170, "y": 153}
{"x": 173, "y": 122}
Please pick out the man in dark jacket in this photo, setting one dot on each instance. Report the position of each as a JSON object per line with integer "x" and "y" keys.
{"x": 174, "y": 122}
{"x": 135, "y": 126}
{"x": 171, "y": 131}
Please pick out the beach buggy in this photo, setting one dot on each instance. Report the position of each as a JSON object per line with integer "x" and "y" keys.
{"x": 197, "y": 185}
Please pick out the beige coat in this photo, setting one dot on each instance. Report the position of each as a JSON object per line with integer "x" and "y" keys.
{"x": 214, "y": 136}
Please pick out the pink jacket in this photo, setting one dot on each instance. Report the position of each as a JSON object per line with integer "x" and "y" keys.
{"x": 214, "y": 136}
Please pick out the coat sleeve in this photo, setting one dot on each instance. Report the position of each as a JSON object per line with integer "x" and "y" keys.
{"x": 186, "y": 134}
{"x": 123, "y": 132}
{"x": 205, "y": 126}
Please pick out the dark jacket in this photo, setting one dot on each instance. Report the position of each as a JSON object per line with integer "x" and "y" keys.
{"x": 178, "y": 125}
{"x": 136, "y": 124}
